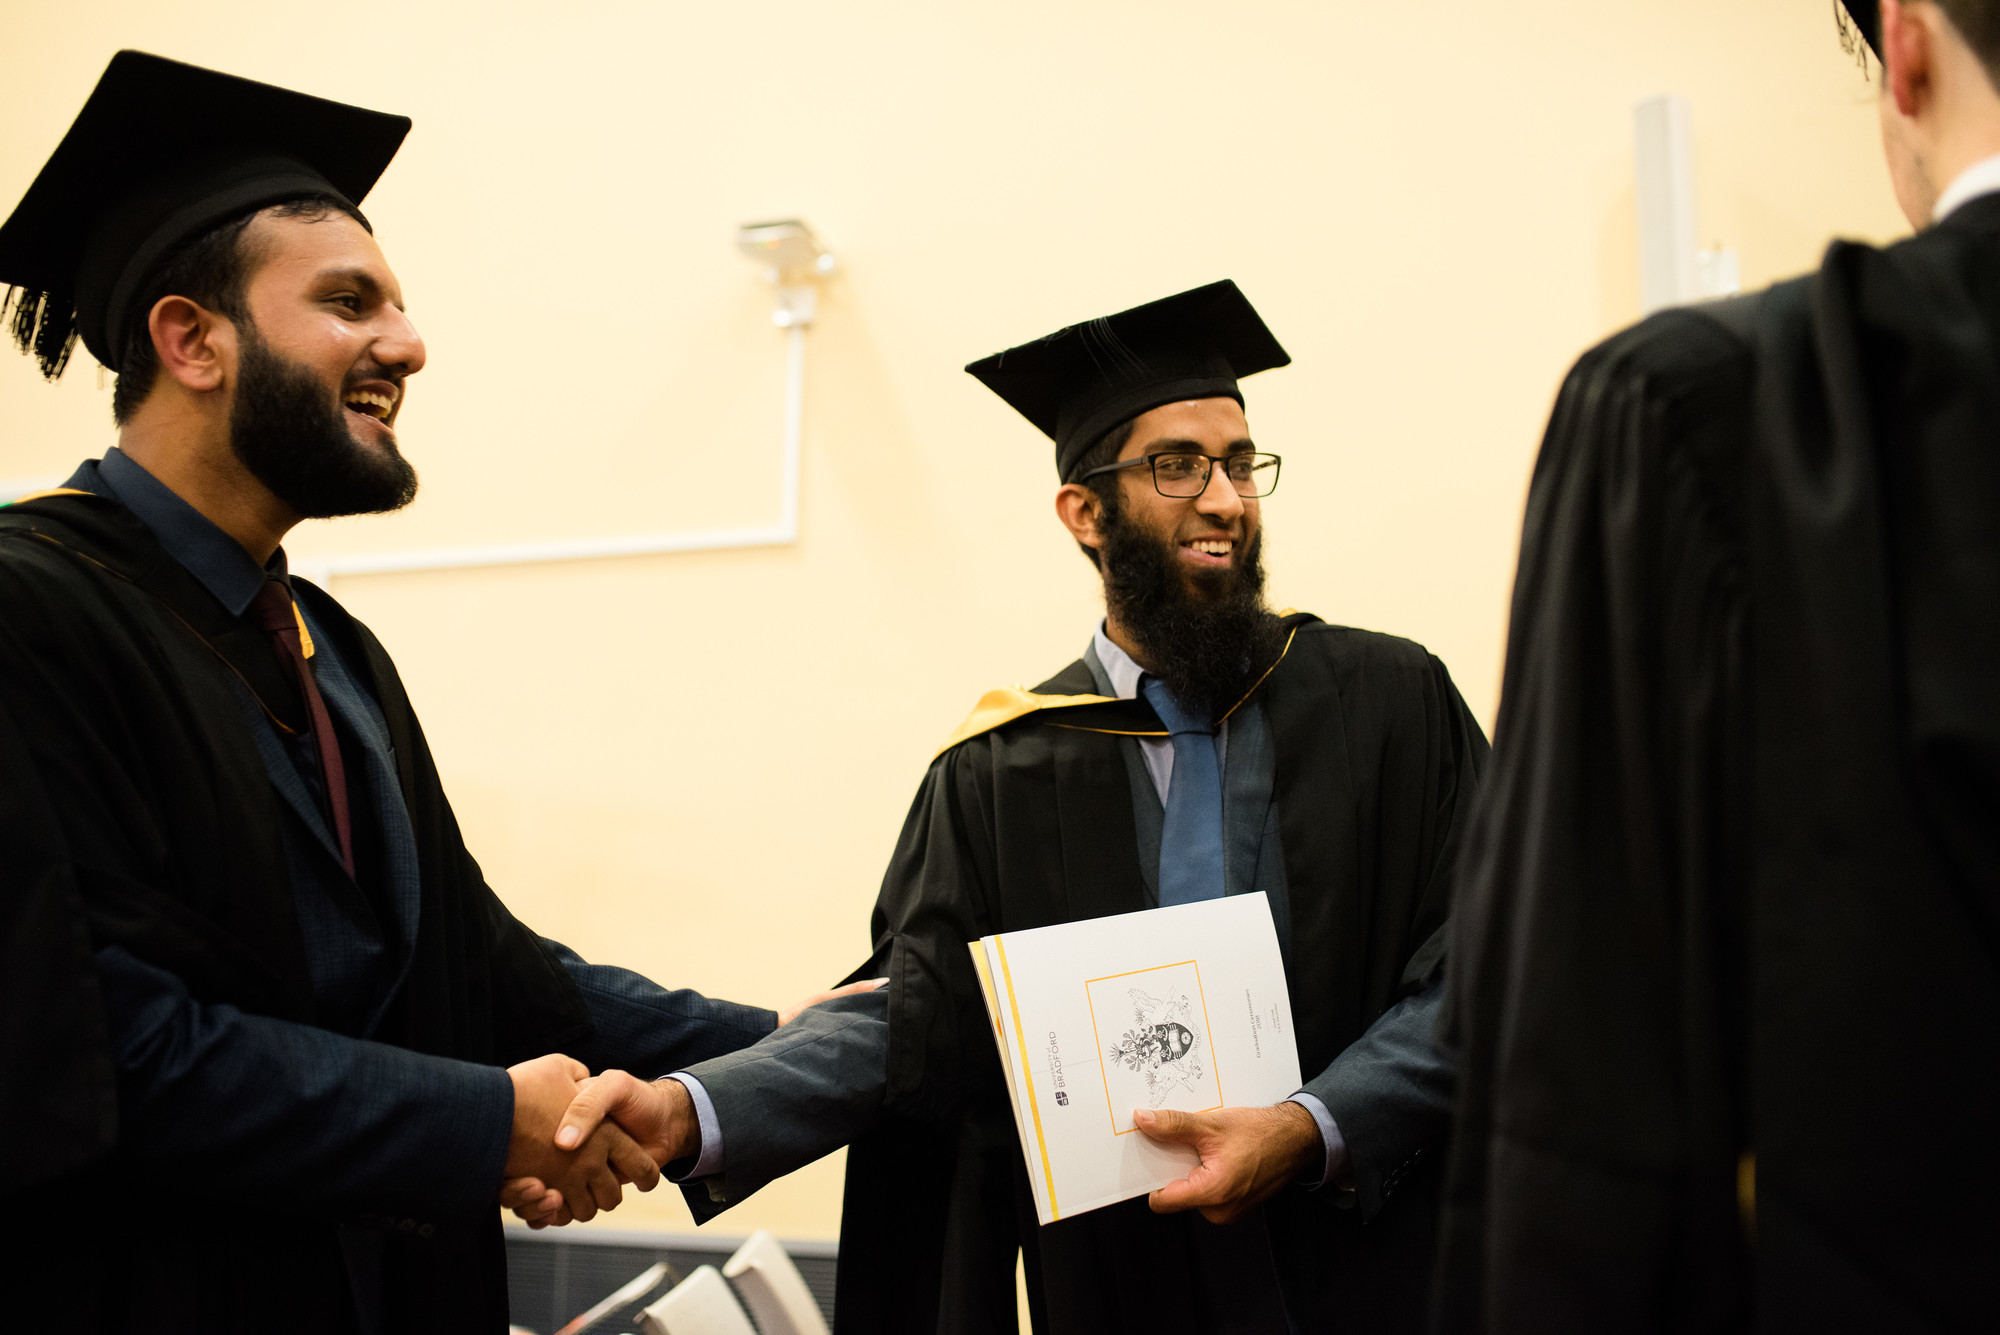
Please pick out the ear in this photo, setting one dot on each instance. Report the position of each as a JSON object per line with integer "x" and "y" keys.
{"x": 1906, "y": 56}
{"x": 195, "y": 346}
{"x": 1081, "y": 510}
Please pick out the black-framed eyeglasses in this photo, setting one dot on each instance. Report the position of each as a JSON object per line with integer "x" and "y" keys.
{"x": 1183, "y": 474}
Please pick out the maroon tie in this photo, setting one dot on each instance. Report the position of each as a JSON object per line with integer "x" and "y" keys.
{"x": 272, "y": 611}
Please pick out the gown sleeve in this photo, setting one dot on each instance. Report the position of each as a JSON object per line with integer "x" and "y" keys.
{"x": 1389, "y": 1092}
{"x": 935, "y": 898}
{"x": 253, "y": 1107}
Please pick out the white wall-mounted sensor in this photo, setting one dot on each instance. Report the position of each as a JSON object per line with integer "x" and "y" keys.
{"x": 787, "y": 248}
{"x": 794, "y": 259}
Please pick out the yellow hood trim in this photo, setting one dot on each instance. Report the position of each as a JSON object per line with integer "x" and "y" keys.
{"x": 52, "y": 491}
{"x": 1004, "y": 704}
{"x": 305, "y": 636}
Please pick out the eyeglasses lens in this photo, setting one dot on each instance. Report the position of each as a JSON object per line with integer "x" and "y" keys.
{"x": 1186, "y": 475}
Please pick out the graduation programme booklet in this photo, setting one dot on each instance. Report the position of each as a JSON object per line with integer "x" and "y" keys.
{"x": 1182, "y": 1007}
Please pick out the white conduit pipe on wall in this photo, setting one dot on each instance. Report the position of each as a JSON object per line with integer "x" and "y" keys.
{"x": 796, "y": 262}
{"x": 781, "y": 534}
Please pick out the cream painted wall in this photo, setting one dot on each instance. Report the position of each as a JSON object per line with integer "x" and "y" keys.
{"x": 697, "y": 765}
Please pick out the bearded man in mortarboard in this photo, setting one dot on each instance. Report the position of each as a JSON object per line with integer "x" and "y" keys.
{"x": 1202, "y": 746}
{"x": 270, "y": 1043}
{"x": 1727, "y": 964}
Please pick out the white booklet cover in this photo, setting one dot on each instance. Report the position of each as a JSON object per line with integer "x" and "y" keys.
{"x": 1182, "y": 1007}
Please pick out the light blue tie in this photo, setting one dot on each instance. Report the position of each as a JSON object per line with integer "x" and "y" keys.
{"x": 1191, "y": 836}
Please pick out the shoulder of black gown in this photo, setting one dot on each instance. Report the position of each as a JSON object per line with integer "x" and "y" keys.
{"x": 1075, "y": 679}
{"x": 85, "y": 522}
{"x": 1368, "y": 660}
{"x": 119, "y": 672}
{"x": 1392, "y": 691}
{"x": 57, "y": 549}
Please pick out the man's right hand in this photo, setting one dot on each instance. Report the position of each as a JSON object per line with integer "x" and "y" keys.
{"x": 590, "y": 1167}
{"x": 659, "y": 1116}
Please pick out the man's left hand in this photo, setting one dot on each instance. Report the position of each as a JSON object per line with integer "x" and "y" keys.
{"x": 1247, "y": 1155}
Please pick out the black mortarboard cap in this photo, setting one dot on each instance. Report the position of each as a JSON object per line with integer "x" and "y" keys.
{"x": 1867, "y": 18}
{"x": 161, "y": 153}
{"x": 1079, "y": 382}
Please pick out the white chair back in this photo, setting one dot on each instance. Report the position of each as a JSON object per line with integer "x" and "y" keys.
{"x": 773, "y": 1288}
{"x": 701, "y": 1304}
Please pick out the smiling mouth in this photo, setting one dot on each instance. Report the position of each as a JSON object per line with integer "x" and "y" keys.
{"x": 1219, "y": 549}
{"x": 369, "y": 403}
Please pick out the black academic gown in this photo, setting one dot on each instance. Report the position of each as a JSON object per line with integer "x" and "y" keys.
{"x": 1032, "y": 823}
{"x": 1726, "y": 966}
{"x": 138, "y": 813}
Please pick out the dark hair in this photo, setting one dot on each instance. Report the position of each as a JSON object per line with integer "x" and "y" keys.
{"x": 1978, "y": 22}
{"x": 1106, "y": 451}
{"x": 213, "y": 270}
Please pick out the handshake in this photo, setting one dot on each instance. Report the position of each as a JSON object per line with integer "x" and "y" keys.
{"x": 578, "y": 1140}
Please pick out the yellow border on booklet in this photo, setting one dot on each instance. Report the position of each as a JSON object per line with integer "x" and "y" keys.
{"x": 1028, "y": 1074}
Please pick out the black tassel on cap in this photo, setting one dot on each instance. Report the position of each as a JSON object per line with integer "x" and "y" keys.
{"x": 42, "y": 325}
{"x": 1859, "y": 23}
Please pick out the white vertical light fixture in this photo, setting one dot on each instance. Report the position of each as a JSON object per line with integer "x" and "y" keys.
{"x": 1673, "y": 268}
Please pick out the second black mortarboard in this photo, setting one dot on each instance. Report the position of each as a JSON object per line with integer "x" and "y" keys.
{"x": 1081, "y": 381}
{"x": 161, "y": 153}
{"x": 1867, "y": 18}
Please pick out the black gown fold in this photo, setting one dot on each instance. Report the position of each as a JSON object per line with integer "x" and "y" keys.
{"x": 1726, "y": 979}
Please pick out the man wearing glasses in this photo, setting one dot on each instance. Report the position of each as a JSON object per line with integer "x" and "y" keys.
{"x": 1202, "y": 746}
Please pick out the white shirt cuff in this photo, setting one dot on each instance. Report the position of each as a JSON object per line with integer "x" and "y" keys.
{"x": 708, "y": 1162}
{"x": 1329, "y": 1134}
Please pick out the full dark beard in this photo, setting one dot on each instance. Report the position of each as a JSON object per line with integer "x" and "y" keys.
{"x": 1204, "y": 646}
{"x": 294, "y": 439}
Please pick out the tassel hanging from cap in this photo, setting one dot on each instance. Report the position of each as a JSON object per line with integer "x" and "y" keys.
{"x": 42, "y": 324}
